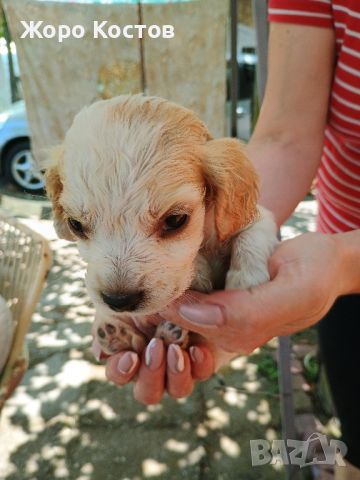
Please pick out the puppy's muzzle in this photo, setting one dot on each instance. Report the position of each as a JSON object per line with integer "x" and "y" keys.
{"x": 123, "y": 302}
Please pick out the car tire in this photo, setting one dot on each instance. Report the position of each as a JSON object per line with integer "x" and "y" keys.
{"x": 19, "y": 169}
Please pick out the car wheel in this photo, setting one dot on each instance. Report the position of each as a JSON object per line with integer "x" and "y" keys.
{"x": 20, "y": 169}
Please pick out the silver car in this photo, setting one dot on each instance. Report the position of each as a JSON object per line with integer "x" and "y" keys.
{"x": 16, "y": 163}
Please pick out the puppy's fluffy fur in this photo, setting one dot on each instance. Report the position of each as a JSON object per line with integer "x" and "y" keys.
{"x": 129, "y": 164}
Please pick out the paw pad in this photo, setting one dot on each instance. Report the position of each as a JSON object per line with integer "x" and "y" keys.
{"x": 101, "y": 333}
{"x": 115, "y": 337}
{"x": 110, "y": 329}
{"x": 171, "y": 333}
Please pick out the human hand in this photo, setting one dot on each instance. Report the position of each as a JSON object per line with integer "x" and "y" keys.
{"x": 159, "y": 370}
{"x": 307, "y": 274}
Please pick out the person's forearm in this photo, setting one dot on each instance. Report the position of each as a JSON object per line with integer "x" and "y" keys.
{"x": 349, "y": 248}
{"x": 286, "y": 145}
{"x": 286, "y": 168}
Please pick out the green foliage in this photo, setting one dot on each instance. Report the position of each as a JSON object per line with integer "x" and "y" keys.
{"x": 311, "y": 367}
{"x": 2, "y": 22}
{"x": 267, "y": 368}
{"x": 309, "y": 335}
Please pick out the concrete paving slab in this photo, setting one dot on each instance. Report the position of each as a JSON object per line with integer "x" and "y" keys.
{"x": 66, "y": 421}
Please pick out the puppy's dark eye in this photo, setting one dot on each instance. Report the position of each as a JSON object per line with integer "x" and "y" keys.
{"x": 174, "y": 222}
{"x": 76, "y": 227}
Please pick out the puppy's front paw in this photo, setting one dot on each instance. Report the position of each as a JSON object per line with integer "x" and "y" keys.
{"x": 171, "y": 333}
{"x": 244, "y": 278}
{"x": 114, "y": 336}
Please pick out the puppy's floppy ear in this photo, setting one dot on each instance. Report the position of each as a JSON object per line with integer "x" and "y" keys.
{"x": 54, "y": 186}
{"x": 232, "y": 186}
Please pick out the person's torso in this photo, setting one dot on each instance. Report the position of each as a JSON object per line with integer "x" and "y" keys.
{"x": 338, "y": 180}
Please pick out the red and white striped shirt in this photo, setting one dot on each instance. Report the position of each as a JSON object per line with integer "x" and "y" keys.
{"x": 338, "y": 179}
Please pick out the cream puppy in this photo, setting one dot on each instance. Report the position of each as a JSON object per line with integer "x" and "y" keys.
{"x": 157, "y": 206}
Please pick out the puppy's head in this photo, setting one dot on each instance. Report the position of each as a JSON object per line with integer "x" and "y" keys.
{"x": 140, "y": 184}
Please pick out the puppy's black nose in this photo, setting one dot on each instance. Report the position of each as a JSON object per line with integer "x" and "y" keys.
{"x": 121, "y": 302}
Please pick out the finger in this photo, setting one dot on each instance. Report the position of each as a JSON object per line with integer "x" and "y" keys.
{"x": 202, "y": 318}
{"x": 153, "y": 319}
{"x": 202, "y": 362}
{"x": 121, "y": 368}
{"x": 179, "y": 379}
{"x": 209, "y": 312}
{"x": 150, "y": 383}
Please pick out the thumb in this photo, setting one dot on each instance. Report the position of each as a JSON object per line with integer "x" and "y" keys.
{"x": 201, "y": 317}
{"x": 258, "y": 304}
{"x": 210, "y": 311}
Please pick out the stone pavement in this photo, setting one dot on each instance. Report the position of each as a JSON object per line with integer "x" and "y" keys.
{"x": 66, "y": 421}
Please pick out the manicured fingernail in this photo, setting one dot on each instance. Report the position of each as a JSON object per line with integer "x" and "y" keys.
{"x": 204, "y": 314}
{"x": 196, "y": 354}
{"x": 175, "y": 358}
{"x": 127, "y": 362}
{"x": 154, "y": 354}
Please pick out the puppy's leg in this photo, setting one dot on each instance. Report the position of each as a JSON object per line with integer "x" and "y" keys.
{"x": 171, "y": 333}
{"x": 202, "y": 278}
{"x": 116, "y": 334}
{"x": 250, "y": 252}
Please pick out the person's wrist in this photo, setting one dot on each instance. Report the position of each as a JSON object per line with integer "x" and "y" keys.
{"x": 348, "y": 254}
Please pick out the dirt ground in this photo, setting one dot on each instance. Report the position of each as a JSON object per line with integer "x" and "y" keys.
{"x": 66, "y": 421}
